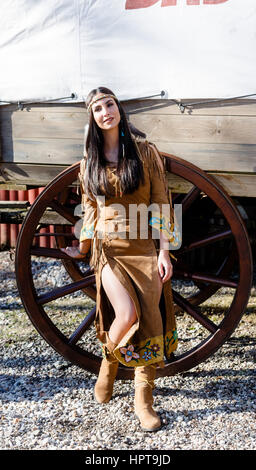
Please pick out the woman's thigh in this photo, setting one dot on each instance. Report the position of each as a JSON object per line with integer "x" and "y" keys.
{"x": 119, "y": 297}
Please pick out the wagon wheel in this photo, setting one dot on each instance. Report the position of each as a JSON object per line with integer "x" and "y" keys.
{"x": 207, "y": 334}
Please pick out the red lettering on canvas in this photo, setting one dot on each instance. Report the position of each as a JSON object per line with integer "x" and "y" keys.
{"x": 135, "y": 4}
{"x": 168, "y": 3}
{"x": 132, "y": 4}
{"x": 214, "y": 2}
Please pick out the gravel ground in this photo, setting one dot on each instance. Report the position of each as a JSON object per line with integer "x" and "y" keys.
{"x": 47, "y": 403}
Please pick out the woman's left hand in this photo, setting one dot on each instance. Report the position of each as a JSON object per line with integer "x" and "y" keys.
{"x": 165, "y": 267}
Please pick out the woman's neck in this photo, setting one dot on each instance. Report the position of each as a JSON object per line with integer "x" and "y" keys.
{"x": 111, "y": 144}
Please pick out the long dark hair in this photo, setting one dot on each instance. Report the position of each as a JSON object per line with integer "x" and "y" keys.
{"x": 129, "y": 167}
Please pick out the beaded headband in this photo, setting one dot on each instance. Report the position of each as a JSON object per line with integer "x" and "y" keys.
{"x": 100, "y": 98}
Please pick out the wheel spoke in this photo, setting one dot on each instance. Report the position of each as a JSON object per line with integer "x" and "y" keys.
{"x": 56, "y": 234}
{"x": 206, "y": 241}
{"x": 63, "y": 211}
{"x": 65, "y": 290}
{"x": 194, "y": 312}
{"x": 208, "y": 278}
{"x": 50, "y": 253}
{"x": 190, "y": 197}
{"x": 78, "y": 333}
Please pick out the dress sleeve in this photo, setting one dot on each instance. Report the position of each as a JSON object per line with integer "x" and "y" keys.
{"x": 89, "y": 207}
{"x": 162, "y": 218}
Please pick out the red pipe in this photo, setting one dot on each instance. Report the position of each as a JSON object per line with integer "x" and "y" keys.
{"x": 22, "y": 196}
{"x": 9, "y": 232}
{"x": 14, "y": 229}
{"x": 4, "y": 228}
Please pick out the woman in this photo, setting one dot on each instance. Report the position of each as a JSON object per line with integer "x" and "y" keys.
{"x": 119, "y": 176}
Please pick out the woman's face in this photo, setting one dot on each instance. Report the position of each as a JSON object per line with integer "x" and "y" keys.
{"x": 106, "y": 113}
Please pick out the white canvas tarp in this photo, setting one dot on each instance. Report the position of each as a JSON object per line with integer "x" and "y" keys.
{"x": 50, "y": 49}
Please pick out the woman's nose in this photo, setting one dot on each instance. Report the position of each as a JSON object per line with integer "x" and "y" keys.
{"x": 105, "y": 111}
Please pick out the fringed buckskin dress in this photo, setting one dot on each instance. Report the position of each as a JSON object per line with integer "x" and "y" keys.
{"x": 153, "y": 336}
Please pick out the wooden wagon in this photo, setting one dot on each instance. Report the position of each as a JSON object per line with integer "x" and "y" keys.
{"x": 210, "y": 154}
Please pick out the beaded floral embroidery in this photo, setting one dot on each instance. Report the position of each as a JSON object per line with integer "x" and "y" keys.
{"x": 147, "y": 352}
{"x": 87, "y": 232}
{"x": 163, "y": 224}
{"x": 171, "y": 339}
{"x": 129, "y": 353}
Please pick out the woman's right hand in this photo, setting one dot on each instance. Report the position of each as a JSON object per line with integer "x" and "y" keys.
{"x": 78, "y": 252}
{"x": 73, "y": 252}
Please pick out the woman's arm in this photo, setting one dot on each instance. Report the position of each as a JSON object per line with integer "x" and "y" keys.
{"x": 161, "y": 219}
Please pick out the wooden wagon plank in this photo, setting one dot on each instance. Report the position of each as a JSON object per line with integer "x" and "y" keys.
{"x": 203, "y": 129}
{"x": 214, "y": 157}
{"x": 43, "y": 151}
{"x": 31, "y": 175}
{"x": 236, "y": 184}
{"x": 207, "y": 156}
{"x": 22, "y": 124}
{"x": 163, "y": 127}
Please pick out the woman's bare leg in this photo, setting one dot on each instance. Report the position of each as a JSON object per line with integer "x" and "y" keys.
{"x": 125, "y": 312}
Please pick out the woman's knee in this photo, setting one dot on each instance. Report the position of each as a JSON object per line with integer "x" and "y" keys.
{"x": 119, "y": 297}
{"x": 126, "y": 314}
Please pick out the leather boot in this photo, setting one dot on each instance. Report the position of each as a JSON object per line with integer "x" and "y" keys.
{"x": 104, "y": 386}
{"x": 144, "y": 384}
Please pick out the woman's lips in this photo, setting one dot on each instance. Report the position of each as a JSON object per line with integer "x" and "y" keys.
{"x": 109, "y": 119}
